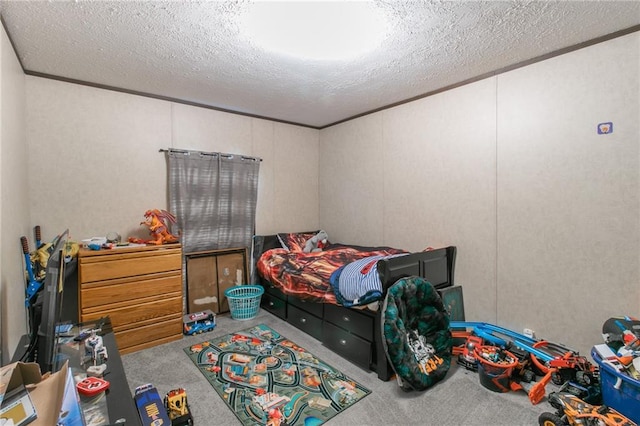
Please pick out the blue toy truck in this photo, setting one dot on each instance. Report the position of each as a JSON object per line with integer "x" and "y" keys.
{"x": 198, "y": 322}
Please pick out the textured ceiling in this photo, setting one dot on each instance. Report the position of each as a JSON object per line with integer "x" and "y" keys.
{"x": 195, "y": 52}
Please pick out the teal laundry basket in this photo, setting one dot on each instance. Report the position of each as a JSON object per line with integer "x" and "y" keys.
{"x": 244, "y": 301}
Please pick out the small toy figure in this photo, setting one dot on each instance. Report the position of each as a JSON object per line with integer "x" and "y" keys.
{"x": 157, "y": 221}
{"x": 467, "y": 358}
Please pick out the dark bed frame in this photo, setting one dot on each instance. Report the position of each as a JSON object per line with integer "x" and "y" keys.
{"x": 354, "y": 333}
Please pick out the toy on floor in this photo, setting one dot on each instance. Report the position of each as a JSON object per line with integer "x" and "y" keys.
{"x": 555, "y": 362}
{"x": 466, "y": 356}
{"x": 150, "y": 407}
{"x": 571, "y": 410}
{"x": 198, "y": 322}
{"x": 175, "y": 401}
{"x": 495, "y": 366}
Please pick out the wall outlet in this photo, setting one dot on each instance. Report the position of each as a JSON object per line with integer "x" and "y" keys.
{"x": 529, "y": 333}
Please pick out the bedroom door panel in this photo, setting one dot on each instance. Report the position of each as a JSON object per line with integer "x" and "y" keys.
{"x": 210, "y": 273}
{"x": 231, "y": 272}
{"x": 202, "y": 288}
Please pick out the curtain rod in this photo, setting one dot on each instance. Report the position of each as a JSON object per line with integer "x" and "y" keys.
{"x": 222, "y": 154}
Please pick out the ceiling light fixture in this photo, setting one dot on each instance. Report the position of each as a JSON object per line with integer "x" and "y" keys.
{"x": 316, "y": 30}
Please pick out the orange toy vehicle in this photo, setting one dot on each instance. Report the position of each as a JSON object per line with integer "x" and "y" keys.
{"x": 572, "y": 411}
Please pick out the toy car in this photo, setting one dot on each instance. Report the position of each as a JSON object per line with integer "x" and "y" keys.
{"x": 524, "y": 371}
{"x": 573, "y": 367}
{"x": 590, "y": 394}
{"x": 178, "y": 408}
{"x": 149, "y": 406}
{"x": 467, "y": 358}
{"x": 198, "y": 322}
{"x": 573, "y": 411}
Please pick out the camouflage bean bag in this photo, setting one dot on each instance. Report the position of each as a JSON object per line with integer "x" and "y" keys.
{"x": 416, "y": 335}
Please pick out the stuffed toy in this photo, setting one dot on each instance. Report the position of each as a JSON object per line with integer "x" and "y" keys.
{"x": 316, "y": 243}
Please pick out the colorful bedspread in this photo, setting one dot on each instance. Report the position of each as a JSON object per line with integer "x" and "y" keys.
{"x": 306, "y": 275}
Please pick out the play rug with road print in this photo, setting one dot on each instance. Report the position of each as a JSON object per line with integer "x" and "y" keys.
{"x": 267, "y": 379}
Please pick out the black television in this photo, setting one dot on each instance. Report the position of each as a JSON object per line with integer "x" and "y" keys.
{"x": 51, "y": 295}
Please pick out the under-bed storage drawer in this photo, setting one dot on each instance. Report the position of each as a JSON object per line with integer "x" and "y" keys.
{"x": 311, "y": 307}
{"x": 306, "y": 322}
{"x": 274, "y": 304}
{"x": 348, "y": 345}
{"x": 271, "y": 289}
{"x": 351, "y": 320}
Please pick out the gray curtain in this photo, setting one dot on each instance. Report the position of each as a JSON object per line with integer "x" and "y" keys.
{"x": 213, "y": 197}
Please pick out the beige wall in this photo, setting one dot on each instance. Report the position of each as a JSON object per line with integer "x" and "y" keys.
{"x": 96, "y": 167}
{"x": 568, "y": 234}
{"x": 510, "y": 169}
{"x": 14, "y": 202}
{"x": 418, "y": 175}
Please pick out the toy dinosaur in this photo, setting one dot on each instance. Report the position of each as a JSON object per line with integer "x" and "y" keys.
{"x": 157, "y": 221}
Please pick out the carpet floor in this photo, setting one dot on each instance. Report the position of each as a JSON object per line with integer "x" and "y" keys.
{"x": 263, "y": 376}
{"x": 459, "y": 399}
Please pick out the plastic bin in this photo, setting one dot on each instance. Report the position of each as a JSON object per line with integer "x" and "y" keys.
{"x": 619, "y": 390}
{"x": 244, "y": 301}
{"x": 495, "y": 376}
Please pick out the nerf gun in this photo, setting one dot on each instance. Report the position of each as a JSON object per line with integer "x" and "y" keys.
{"x": 33, "y": 285}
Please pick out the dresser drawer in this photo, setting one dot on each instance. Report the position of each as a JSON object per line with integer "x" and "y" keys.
{"x": 275, "y": 305}
{"x": 126, "y": 315}
{"x": 107, "y": 292}
{"x": 311, "y": 307}
{"x": 351, "y": 320}
{"x": 348, "y": 345}
{"x": 114, "y": 264}
{"x": 306, "y": 322}
{"x": 150, "y": 335}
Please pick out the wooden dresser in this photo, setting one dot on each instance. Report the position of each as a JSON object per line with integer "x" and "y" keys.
{"x": 139, "y": 288}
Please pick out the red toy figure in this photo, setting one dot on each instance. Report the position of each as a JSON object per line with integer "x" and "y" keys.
{"x": 157, "y": 221}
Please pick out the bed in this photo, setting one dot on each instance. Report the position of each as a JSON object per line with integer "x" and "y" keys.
{"x": 298, "y": 289}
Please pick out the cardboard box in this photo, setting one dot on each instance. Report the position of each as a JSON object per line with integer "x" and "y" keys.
{"x": 46, "y": 392}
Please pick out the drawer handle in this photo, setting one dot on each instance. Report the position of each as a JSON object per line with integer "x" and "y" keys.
{"x": 343, "y": 342}
{"x": 346, "y": 318}
{"x": 271, "y": 304}
{"x": 303, "y": 320}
